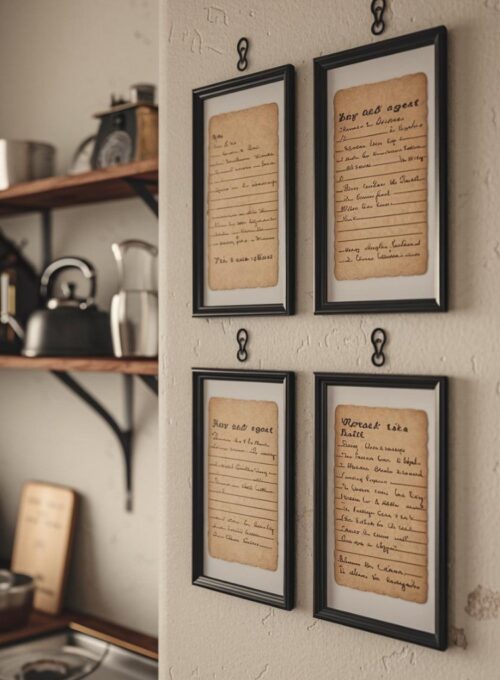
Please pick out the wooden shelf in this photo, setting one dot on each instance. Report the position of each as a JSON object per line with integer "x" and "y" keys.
{"x": 44, "y": 624}
{"x": 82, "y": 364}
{"x": 108, "y": 184}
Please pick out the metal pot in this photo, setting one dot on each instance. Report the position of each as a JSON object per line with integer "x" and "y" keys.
{"x": 70, "y": 325}
{"x": 24, "y": 161}
{"x": 16, "y": 599}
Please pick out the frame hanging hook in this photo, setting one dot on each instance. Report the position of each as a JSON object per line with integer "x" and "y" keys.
{"x": 378, "y": 338}
{"x": 378, "y": 9}
{"x": 242, "y": 49}
{"x": 242, "y": 340}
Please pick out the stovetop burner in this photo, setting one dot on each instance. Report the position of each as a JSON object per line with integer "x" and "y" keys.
{"x": 72, "y": 656}
{"x": 45, "y": 669}
{"x": 48, "y": 664}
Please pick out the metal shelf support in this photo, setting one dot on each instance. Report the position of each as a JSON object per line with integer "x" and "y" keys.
{"x": 125, "y": 434}
{"x": 46, "y": 216}
{"x": 151, "y": 381}
{"x": 140, "y": 187}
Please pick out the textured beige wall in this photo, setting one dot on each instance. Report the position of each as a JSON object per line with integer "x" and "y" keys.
{"x": 59, "y": 62}
{"x": 208, "y": 635}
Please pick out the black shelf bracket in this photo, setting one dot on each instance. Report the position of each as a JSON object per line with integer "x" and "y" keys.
{"x": 46, "y": 215}
{"x": 151, "y": 381}
{"x": 124, "y": 434}
{"x": 141, "y": 188}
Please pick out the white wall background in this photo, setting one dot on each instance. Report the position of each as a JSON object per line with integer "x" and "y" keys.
{"x": 59, "y": 62}
{"x": 208, "y": 635}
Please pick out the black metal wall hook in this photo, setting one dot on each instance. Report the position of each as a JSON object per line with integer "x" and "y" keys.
{"x": 242, "y": 339}
{"x": 378, "y": 338}
{"x": 242, "y": 49}
{"x": 378, "y": 9}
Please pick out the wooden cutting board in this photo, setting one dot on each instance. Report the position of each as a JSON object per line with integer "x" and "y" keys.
{"x": 43, "y": 541}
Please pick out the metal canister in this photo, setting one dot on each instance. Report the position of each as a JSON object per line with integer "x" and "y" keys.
{"x": 25, "y": 161}
{"x": 16, "y": 599}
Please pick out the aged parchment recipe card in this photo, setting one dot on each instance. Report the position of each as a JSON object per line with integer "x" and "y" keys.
{"x": 380, "y": 179}
{"x": 381, "y": 500}
{"x": 243, "y": 481}
{"x": 243, "y": 199}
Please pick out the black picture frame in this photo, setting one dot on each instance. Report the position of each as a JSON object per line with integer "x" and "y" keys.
{"x": 438, "y": 639}
{"x": 286, "y": 74}
{"x": 436, "y": 37}
{"x": 286, "y": 599}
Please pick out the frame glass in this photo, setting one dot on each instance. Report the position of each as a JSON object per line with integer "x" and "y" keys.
{"x": 381, "y": 174}
{"x": 244, "y": 195}
{"x": 380, "y": 505}
{"x": 243, "y": 484}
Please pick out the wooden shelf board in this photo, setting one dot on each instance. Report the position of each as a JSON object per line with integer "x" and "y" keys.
{"x": 38, "y": 624}
{"x": 44, "y": 624}
{"x": 90, "y": 187}
{"x": 80, "y": 364}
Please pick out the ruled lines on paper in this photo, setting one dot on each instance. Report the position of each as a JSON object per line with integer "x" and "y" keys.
{"x": 381, "y": 501}
{"x": 243, "y": 192}
{"x": 380, "y": 179}
{"x": 242, "y": 487}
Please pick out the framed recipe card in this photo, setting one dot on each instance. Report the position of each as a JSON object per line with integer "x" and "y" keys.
{"x": 243, "y": 484}
{"x": 381, "y": 201}
{"x": 243, "y": 195}
{"x": 380, "y": 505}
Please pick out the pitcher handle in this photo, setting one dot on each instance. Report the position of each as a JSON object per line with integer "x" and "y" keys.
{"x": 120, "y": 250}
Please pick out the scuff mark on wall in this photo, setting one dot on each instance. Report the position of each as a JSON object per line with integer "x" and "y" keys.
{"x": 196, "y": 42}
{"x": 305, "y": 343}
{"x": 138, "y": 35}
{"x": 262, "y": 672}
{"x": 363, "y": 331}
{"x": 457, "y": 637}
{"x": 217, "y": 15}
{"x": 223, "y": 324}
{"x": 399, "y": 659}
{"x": 267, "y": 616}
{"x": 194, "y": 38}
{"x": 267, "y": 620}
{"x": 329, "y": 335}
{"x": 483, "y": 603}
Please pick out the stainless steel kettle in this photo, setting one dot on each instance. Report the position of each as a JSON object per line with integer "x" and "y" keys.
{"x": 69, "y": 325}
{"x": 134, "y": 309}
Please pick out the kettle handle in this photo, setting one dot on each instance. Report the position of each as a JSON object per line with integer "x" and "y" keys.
{"x": 120, "y": 250}
{"x": 62, "y": 264}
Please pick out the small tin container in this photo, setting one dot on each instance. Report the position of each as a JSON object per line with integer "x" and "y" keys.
{"x": 16, "y": 599}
